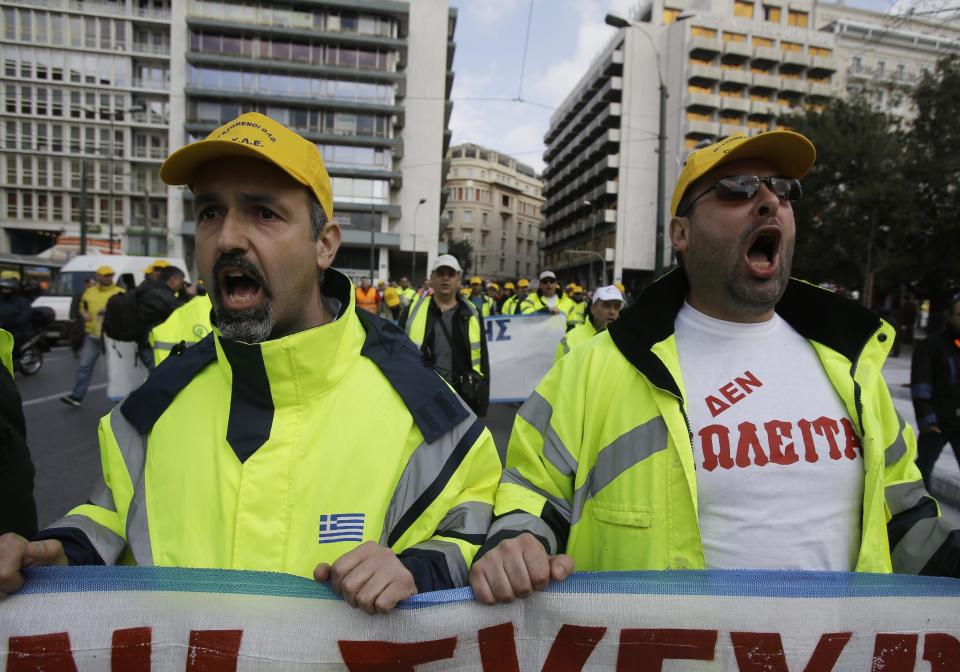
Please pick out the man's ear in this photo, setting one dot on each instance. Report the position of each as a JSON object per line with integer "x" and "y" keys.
{"x": 328, "y": 242}
{"x": 680, "y": 234}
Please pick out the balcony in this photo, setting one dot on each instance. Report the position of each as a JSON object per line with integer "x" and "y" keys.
{"x": 150, "y": 84}
{"x": 738, "y": 50}
{"x": 707, "y": 128}
{"x": 823, "y": 64}
{"x": 729, "y": 128}
{"x": 765, "y": 56}
{"x": 794, "y": 85}
{"x": 734, "y": 103}
{"x": 154, "y": 153}
{"x": 794, "y": 59}
{"x": 142, "y": 48}
{"x": 764, "y": 108}
{"x": 709, "y": 73}
{"x": 709, "y": 101}
{"x": 820, "y": 89}
{"x": 771, "y": 82}
{"x": 705, "y": 47}
{"x": 736, "y": 76}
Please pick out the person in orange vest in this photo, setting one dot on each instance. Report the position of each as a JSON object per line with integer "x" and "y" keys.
{"x": 367, "y": 296}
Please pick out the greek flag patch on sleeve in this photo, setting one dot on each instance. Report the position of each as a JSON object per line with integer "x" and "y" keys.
{"x": 335, "y": 527}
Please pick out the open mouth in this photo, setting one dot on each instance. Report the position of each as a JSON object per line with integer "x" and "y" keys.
{"x": 763, "y": 251}
{"x": 239, "y": 288}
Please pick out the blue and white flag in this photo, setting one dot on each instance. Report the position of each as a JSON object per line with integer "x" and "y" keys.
{"x": 336, "y": 527}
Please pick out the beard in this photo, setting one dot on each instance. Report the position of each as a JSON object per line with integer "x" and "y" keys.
{"x": 249, "y": 325}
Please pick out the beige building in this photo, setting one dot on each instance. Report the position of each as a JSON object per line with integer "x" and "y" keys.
{"x": 494, "y": 202}
{"x": 727, "y": 66}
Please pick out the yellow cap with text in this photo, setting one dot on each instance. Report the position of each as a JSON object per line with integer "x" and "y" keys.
{"x": 256, "y": 136}
{"x": 791, "y": 153}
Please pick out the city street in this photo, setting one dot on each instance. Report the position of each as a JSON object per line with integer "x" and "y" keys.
{"x": 63, "y": 440}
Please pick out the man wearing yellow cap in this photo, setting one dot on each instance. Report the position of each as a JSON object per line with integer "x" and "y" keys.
{"x": 481, "y": 301}
{"x": 732, "y": 418}
{"x": 303, "y": 436}
{"x": 512, "y": 305}
{"x": 93, "y": 306}
{"x": 509, "y": 290}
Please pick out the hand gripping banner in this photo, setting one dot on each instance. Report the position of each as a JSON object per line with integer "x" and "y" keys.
{"x": 88, "y": 619}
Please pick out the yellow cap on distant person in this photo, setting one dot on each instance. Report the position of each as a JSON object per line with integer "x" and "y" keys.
{"x": 257, "y": 136}
{"x": 508, "y": 285}
{"x": 792, "y": 154}
{"x": 104, "y": 270}
{"x": 494, "y": 285}
{"x": 476, "y": 280}
{"x": 160, "y": 263}
{"x": 523, "y": 282}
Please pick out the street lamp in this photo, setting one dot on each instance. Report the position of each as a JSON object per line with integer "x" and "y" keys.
{"x": 413, "y": 271}
{"x": 588, "y": 203}
{"x": 620, "y": 22}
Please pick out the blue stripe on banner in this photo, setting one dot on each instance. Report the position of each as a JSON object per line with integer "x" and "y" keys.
{"x": 724, "y": 583}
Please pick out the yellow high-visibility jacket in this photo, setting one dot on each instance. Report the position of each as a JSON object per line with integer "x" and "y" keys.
{"x": 187, "y": 325}
{"x": 579, "y": 312}
{"x": 573, "y": 338}
{"x": 6, "y": 350}
{"x": 280, "y": 455}
{"x": 534, "y": 303}
{"x": 415, "y": 324}
{"x": 600, "y": 463}
{"x": 511, "y": 306}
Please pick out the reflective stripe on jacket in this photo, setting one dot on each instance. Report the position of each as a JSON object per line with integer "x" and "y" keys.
{"x": 575, "y": 337}
{"x": 511, "y": 306}
{"x": 188, "y": 324}
{"x": 266, "y": 449}
{"x": 600, "y": 462}
{"x": 578, "y": 315}
{"x": 416, "y": 327}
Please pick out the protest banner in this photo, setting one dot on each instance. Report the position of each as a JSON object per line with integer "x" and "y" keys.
{"x": 89, "y": 619}
{"x": 521, "y": 350}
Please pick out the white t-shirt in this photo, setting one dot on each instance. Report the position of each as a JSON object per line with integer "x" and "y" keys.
{"x": 779, "y": 464}
{"x": 551, "y": 301}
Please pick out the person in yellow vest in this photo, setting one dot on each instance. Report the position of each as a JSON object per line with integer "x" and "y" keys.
{"x": 493, "y": 293}
{"x": 512, "y": 305}
{"x": 298, "y": 437}
{"x": 509, "y": 290}
{"x": 569, "y": 289}
{"x": 449, "y": 331}
{"x": 479, "y": 299}
{"x": 187, "y": 325}
{"x": 391, "y": 297}
{"x": 581, "y": 307}
{"x": 18, "y": 510}
{"x": 407, "y": 293}
{"x": 548, "y": 299}
{"x": 367, "y": 296}
{"x": 93, "y": 306}
{"x": 605, "y": 309}
{"x": 732, "y": 418}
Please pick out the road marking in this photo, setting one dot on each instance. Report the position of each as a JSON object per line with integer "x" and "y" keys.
{"x": 99, "y": 386}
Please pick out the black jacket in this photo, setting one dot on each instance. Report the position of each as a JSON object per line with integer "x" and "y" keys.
{"x": 18, "y": 511}
{"x": 935, "y": 380}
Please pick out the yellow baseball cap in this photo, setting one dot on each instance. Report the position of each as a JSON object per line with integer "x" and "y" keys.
{"x": 105, "y": 270}
{"x": 523, "y": 282}
{"x": 619, "y": 285}
{"x": 494, "y": 285}
{"x": 508, "y": 285}
{"x": 257, "y": 136}
{"x": 791, "y": 153}
{"x": 476, "y": 280}
{"x": 160, "y": 263}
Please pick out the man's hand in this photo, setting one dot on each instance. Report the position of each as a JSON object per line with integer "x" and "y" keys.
{"x": 17, "y": 553}
{"x": 370, "y": 577}
{"x": 554, "y": 310}
{"x": 515, "y": 568}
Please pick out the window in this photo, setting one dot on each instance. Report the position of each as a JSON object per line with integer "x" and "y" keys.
{"x": 505, "y": 201}
{"x": 771, "y": 14}
{"x": 670, "y": 15}
{"x": 743, "y": 8}
{"x": 734, "y": 37}
{"x": 857, "y": 63}
{"x": 699, "y": 31}
{"x": 763, "y": 42}
{"x": 821, "y": 51}
{"x": 483, "y": 219}
{"x": 790, "y": 46}
{"x": 468, "y": 216}
{"x": 797, "y": 18}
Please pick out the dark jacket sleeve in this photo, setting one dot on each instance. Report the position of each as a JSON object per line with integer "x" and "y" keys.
{"x": 921, "y": 384}
{"x": 155, "y": 305}
{"x": 18, "y": 511}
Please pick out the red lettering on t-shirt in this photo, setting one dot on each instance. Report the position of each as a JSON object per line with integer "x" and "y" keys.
{"x": 747, "y": 381}
{"x": 777, "y": 432}
{"x": 715, "y": 406}
{"x": 852, "y": 446}
{"x": 731, "y": 393}
{"x": 721, "y": 456}
{"x": 809, "y": 449}
{"x": 749, "y": 441}
{"x": 830, "y": 429}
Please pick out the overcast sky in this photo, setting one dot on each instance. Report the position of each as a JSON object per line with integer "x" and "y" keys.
{"x": 565, "y": 35}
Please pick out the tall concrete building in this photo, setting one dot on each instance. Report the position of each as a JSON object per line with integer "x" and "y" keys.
{"x": 494, "y": 203}
{"x": 726, "y": 66}
{"x": 114, "y": 85}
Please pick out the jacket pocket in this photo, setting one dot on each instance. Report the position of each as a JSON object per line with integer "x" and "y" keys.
{"x": 621, "y": 515}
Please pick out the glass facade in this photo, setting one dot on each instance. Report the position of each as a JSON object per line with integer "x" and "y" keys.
{"x": 280, "y": 84}
{"x": 292, "y": 51}
{"x": 285, "y": 16}
{"x": 299, "y": 119}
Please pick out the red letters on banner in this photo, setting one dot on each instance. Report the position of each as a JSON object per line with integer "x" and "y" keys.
{"x": 763, "y": 652}
{"x": 394, "y": 656}
{"x": 645, "y": 649}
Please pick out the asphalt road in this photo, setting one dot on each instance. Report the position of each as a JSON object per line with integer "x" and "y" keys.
{"x": 63, "y": 439}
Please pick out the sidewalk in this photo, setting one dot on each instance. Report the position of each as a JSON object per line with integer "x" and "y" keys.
{"x": 945, "y": 483}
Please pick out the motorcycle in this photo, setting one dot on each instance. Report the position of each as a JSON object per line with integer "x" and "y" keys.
{"x": 29, "y": 357}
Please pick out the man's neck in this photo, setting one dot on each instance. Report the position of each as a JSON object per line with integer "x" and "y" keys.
{"x": 445, "y": 301}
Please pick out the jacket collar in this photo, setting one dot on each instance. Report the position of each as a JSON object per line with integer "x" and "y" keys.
{"x": 817, "y": 314}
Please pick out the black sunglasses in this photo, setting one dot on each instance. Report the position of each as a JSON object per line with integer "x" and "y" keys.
{"x": 745, "y": 187}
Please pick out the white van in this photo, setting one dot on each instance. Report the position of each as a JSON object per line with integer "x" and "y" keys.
{"x": 69, "y": 282}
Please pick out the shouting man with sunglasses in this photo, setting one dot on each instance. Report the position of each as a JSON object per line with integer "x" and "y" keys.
{"x": 731, "y": 418}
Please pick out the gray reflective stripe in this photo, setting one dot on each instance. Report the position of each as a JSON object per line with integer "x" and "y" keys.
{"x": 513, "y": 476}
{"x": 413, "y": 312}
{"x": 134, "y": 450}
{"x": 108, "y": 544}
{"x": 163, "y": 345}
{"x": 918, "y": 545}
{"x": 525, "y": 522}
{"x": 102, "y": 497}
{"x": 636, "y": 445}
{"x": 898, "y": 448}
{"x": 421, "y": 470}
{"x": 537, "y": 411}
{"x": 563, "y": 342}
{"x": 904, "y": 496}
{"x": 467, "y": 518}
{"x": 455, "y": 560}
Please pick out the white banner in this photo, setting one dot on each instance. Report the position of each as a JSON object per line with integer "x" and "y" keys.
{"x": 521, "y": 350}
{"x": 88, "y": 619}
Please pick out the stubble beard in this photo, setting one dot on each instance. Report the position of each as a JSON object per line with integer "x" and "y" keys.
{"x": 251, "y": 325}
{"x": 754, "y": 296}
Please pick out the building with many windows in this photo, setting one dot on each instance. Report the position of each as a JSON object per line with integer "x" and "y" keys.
{"x": 726, "y": 66}
{"x": 109, "y": 87}
{"x": 494, "y": 203}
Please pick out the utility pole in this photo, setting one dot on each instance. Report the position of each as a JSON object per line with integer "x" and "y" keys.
{"x": 83, "y": 206}
{"x": 146, "y": 222}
